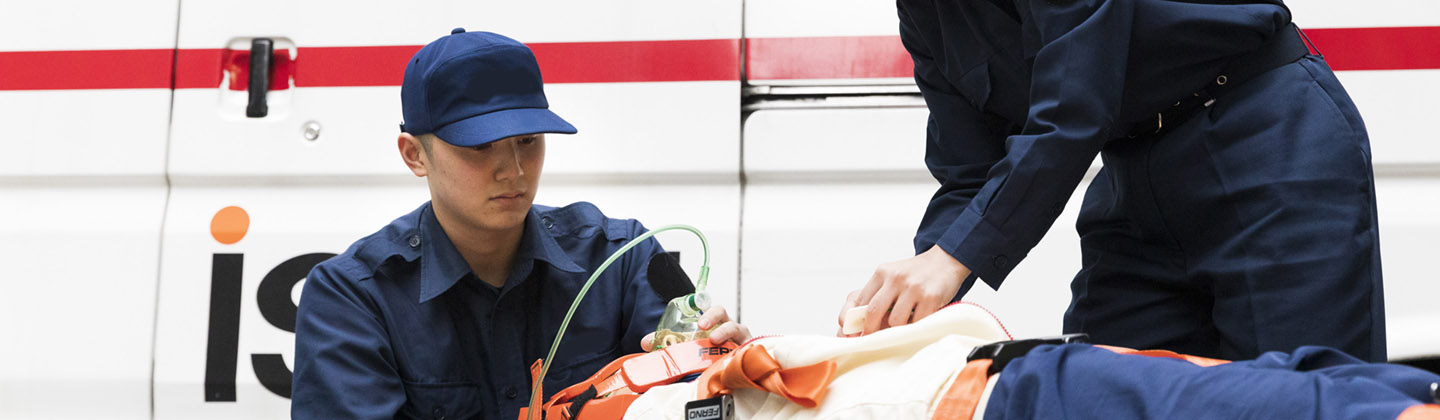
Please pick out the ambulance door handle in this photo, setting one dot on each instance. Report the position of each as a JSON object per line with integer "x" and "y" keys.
{"x": 260, "y": 51}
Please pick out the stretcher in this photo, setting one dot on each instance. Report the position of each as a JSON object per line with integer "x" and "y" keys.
{"x": 949, "y": 366}
{"x": 961, "y": 363}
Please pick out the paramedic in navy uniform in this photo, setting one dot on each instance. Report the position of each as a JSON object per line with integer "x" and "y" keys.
{"x": 440, "y": 314}
{"x": 1235, "y": 212}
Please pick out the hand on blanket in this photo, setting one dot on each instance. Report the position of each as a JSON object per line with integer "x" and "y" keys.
{"x": 908, "y": 290}
{"x": 728, "y": 330}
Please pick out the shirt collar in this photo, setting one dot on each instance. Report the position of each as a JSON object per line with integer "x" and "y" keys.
{"x": 441, "y": 265}
{"x": 544, "y": 246}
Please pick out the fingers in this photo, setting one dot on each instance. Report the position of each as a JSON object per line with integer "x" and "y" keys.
{"x": 876, "y": 316}
{"x": 928, "y": 305}
{"x": 933, "y": 301}
{"x": 877, "y": 280}
{"x": 727, "y": 330}
{"x": 905, "y": 291}
{"x": 850, "y": 302}
{"x": 716, "y": 315}
{"x": 904, "y": 305}
{"x": 730, "y": 331}
{"x": 648, "y": 342}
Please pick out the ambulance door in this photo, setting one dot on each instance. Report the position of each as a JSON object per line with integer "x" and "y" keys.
{"x": 836, "y": 184}
{"x": 1386, "y": 54}
{"x": 84, "y": 102}
{"x": 270, "y": 180}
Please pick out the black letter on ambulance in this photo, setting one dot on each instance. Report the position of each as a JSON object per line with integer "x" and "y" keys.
{"x": 273, "y": 298}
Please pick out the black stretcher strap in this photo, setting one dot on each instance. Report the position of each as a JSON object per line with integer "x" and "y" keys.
{"x": 1001, "y": 353}
{"x": 1285, "y": 48}
{"x": 578, "y": 403}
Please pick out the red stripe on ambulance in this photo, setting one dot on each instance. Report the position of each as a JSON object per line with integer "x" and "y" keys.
{"x": 93, "y": 69}
{"x": 846, "y": 57}
{"x": 860, "y": 57}
{"x": 1400, "y": 48}
{"x": 561, "y": 62}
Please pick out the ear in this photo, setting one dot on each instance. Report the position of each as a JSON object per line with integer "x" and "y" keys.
{"x": 413, "y": 154}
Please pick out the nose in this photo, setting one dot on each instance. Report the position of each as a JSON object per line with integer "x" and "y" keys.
{"x": 509, "y": 166}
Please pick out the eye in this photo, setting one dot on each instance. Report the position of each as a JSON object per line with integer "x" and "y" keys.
{"x": 529, "y": 140}
{"x": 482, "y": 147}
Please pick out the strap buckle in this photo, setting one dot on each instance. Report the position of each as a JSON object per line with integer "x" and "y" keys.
{"x": 1002, "y": 352}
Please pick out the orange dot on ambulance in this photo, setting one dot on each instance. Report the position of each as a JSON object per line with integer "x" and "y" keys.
{"x": 229, "y": 225}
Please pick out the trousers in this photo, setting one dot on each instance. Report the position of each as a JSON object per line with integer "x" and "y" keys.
{"x": 1250, "y": 227}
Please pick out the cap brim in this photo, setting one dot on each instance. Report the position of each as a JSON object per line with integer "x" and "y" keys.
{"x": 486, "y": 128}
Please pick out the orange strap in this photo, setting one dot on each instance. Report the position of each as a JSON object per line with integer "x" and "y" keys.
{"x": 535, "y": 404}
{"x": 753, "y": 367}
{"x": 1421, "y": 412}
{"x": 605, "y": 381}
{"x": 959, "y": 401}
{"x": 1197, "y": 360}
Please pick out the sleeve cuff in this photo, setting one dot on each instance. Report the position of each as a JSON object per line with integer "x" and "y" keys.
{"x": 981, "y": 247}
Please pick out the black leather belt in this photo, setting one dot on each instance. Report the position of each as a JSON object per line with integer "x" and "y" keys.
{"x": 1285, "y": 48}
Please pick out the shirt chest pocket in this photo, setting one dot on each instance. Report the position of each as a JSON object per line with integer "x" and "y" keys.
{"x": 441, "y": 401}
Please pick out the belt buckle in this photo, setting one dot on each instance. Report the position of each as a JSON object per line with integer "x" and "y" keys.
{"x": 1159, "y": 125}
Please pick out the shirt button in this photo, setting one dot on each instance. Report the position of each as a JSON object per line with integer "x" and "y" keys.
{"x": 439, "y": 413}
{"x": 415, "y": 241}
{"x": 1001, "y": 262}
{"x": 547, "y": 222}
{"x": 511, "y": 392}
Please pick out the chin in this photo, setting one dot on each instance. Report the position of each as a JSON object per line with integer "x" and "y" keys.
{"x": 505, "y": 220}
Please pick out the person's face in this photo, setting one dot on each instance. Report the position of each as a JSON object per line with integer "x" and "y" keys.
{"x": 488, "y": 187}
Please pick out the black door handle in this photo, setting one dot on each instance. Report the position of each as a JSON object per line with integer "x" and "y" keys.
{"x": 260, "y": 51}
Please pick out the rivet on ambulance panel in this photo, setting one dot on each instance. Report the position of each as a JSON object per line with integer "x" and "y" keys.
{"x": 311, "y": 130}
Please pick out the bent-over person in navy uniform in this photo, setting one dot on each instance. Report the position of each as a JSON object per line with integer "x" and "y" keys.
{"x": 1235, "y": 211}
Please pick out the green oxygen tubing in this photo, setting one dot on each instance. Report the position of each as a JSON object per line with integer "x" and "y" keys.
{"x": 699, "y": 289}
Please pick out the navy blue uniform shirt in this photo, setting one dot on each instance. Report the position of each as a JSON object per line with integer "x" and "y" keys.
{"x": 398, "y": 326}
{"x": 1023, "y": 95}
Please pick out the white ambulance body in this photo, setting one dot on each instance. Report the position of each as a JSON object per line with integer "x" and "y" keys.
{"x": 788, "y": 131}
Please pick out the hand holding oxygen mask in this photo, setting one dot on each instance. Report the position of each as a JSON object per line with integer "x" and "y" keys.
{"x": 689, "y": 314}
{"x": 692, "y": 317}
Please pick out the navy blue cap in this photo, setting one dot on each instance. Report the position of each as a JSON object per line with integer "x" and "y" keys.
{"x": 472, "y": 88}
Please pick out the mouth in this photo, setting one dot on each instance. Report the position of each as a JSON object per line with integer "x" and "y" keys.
{"x": 507, "y": 196}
